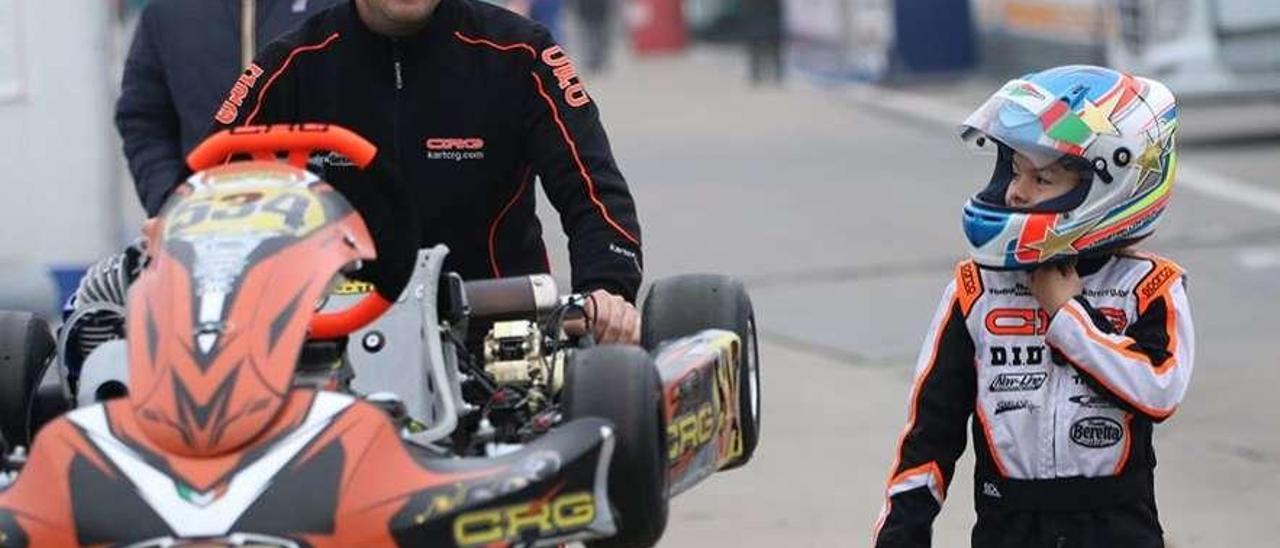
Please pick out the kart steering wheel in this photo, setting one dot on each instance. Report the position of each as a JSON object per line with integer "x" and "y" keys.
{"x": 299, "y": 141}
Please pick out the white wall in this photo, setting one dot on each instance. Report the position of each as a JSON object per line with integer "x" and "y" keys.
{"x": 59, "y": 161}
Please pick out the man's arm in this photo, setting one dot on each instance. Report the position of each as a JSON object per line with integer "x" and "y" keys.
{"x": 147, "y": 119}
{"x": 1148, "y": 367}
{"x": 941, "y": 402}
{"x": 266, "y": 92}
{"x": 571, "y": 154}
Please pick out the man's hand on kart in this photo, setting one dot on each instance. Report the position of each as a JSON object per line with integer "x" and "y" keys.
{"x": 613, "y": 319}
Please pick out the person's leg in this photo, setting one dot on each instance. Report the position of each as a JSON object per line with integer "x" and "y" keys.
{"x": 756, "y": 61}
{"x": 776, "y": 63}
{"x": 1005, "y": 528}
{"x": 595, "y": 45}
{"x": 1136, "y": 524}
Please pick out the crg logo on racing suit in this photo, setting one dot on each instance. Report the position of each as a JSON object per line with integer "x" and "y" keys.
{"x": 450, "y": 143}
{"x": 454, "y": 148}
{"x": 1018, "y": 382}
{"x": 1096, "y": 432}
{"x": 575, "y": 94}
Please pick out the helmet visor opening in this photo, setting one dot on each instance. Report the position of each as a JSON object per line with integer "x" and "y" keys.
{"x": 994, "y": 193}
{"x": 1028, "y": 118}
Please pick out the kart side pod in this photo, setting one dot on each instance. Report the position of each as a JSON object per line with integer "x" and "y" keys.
{"x": 701, "y": 391}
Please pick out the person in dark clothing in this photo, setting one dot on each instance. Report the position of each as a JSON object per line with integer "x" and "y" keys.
{"x": 471, "y": 102}
{"x": 183, "y": 56}
{"x": 597, "y": 31}
{"x": 762, "y": 30}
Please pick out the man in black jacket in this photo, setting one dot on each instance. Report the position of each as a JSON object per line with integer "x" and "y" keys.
{"x": 182, "y": 56}
{"x": 471, "y": 102}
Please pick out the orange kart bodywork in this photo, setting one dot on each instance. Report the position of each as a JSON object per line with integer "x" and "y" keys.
{"x": 215, "y": 446}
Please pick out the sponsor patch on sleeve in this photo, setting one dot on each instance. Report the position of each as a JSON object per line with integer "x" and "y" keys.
{"x": 575, "y": 92}
{"x": 968, "y": 285}
{"x": 1157, "y": 282}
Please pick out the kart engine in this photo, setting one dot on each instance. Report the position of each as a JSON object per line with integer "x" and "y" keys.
{"x": 96, "y": 312}
{"x": 514, "y": 356}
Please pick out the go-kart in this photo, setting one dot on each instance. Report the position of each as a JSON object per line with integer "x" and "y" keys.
{"x": 257, "y": 401}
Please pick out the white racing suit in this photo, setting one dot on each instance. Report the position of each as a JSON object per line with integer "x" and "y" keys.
{"x": 1063, "y": 406}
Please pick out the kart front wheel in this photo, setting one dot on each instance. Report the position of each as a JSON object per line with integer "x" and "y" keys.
{"x": 621, "y": 384}
{"x": 26, "y": 347}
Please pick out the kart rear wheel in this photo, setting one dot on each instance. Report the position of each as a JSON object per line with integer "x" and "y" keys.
{"x": 621, "y": 384}
{"x": 26, "y": 349}
{"x": 683, "y": 305}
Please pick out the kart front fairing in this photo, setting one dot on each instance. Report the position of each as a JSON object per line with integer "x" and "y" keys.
{"x": 339, "y": 475}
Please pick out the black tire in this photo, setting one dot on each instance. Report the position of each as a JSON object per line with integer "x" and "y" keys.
{"x": 26, "y": 349}
{"x": 621, "y": 384}
{"x": 683, "y": 305}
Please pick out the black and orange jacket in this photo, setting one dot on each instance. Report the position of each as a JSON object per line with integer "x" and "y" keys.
{"x": 472, "y": 108}
{"x": 1062, "y": 405}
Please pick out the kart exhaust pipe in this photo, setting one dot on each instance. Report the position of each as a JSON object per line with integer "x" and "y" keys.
{"x": 512, "y": 298}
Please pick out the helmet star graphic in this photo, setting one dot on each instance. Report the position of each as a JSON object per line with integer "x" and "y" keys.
{"x": 1098, "y": 117}
{"x": 1056, "y": 243}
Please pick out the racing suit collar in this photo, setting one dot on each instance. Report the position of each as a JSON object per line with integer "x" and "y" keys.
{"x": 1089, "y": 265}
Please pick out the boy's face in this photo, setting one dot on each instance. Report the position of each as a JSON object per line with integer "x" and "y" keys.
{"x": 1031, "y": 186}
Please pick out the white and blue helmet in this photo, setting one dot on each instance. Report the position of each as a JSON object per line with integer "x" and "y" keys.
{"x": 1116, "y": 129}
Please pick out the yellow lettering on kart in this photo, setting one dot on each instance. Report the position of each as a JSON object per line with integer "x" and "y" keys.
{"x": 574, "y": 510}
{"x": 353, "y": 287}
{"x": 270, "y": 211}
{"x": 478, "y": 528}
{"x": 535, "y": 517}
{"x": 564, "y": 514}
{"x": 727, "y": 394}
{"x": 690, "y": 431}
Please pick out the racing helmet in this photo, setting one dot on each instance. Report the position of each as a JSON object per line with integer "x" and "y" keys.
{"x": 1115, "y": 129}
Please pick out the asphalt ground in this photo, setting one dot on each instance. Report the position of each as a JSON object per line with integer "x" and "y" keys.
{"x": 840, "y": 209}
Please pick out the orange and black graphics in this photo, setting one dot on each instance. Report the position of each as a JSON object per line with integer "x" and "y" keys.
{"x": 218, "y": 316}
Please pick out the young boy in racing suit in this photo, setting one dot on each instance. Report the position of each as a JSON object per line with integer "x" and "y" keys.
{"x": 1064, "y": 343}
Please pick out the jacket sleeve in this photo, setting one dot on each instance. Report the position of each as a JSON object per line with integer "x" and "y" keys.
{"x": 265, "y": 92}
{"x": 147, "y": 118}
{"x": 1148, "y": 367}
{"x": 571, "y": 154}
{"x": 941, "y": 402}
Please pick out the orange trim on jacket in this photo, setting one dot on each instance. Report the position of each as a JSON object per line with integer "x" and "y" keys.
{"x": 288, "y": 60}
{"x": 582, "y": 168}
{"x": 493, "y": 227}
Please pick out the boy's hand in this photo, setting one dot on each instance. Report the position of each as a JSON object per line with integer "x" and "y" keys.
{"x": 1054, "y": 285}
